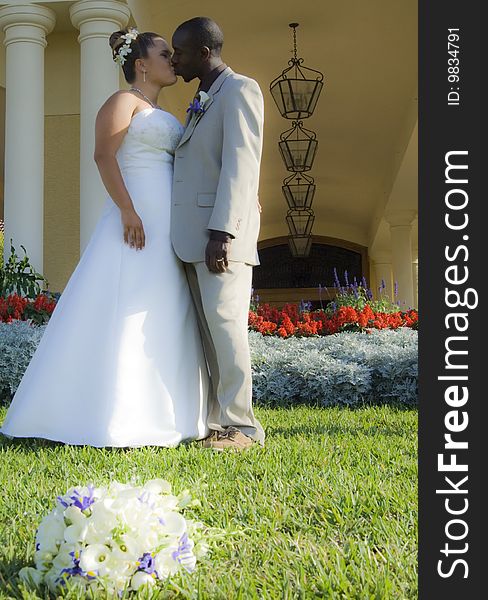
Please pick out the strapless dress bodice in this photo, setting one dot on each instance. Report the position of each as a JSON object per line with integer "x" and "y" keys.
{"x": 151, "y": 139}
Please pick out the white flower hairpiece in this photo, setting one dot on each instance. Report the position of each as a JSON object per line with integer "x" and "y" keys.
{"x": 124, "y": 49}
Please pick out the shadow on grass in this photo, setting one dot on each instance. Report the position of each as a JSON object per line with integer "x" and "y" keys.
{"x": 28, "y": 445}
{"x": 395, "y": 405}
{"x": 9, "y": 582}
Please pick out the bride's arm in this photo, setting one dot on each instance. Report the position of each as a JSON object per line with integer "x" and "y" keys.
{"x": 111, "y": 125}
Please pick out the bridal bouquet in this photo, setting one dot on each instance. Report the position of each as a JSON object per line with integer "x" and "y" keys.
{"x": 116, "y": 538}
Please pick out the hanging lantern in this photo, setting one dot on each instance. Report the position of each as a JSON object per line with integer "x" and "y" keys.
{"x": 298, "y": 147}
{"x": 299, "y": 191}
{"x": 300, "y": 245}
{"x": 297, "y": 90}
{"x": 300, "y": 222}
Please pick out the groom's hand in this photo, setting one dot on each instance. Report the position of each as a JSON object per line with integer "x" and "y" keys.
{"x": 216, "y": 253}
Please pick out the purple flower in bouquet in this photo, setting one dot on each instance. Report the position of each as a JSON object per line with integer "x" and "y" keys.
{"x": 184, "y": 553}
{"x": 83, "y": 502}
{"x": 146, "y": 563}
{"x": 75, "y": 569}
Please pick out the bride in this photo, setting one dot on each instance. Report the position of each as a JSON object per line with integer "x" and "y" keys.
{"x": 121, "y": 361}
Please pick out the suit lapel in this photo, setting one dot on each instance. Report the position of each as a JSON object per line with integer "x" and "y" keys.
{"x": 214, "y": 89}
{"x": 189, "y": 130}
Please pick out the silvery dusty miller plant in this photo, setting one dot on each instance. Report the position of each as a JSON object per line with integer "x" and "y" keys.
{"x": 345, "y": 369}
{"x": 348, "y": 369}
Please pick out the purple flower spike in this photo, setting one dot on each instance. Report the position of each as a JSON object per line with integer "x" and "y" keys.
{"x": 383, "y": 284}
{"x": 396, "y": 288}
{"x": 337, "y": 283}
{"x": 346, "y": 277}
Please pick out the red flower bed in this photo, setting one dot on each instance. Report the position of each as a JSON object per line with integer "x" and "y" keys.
{"x": 290, "y": 321}
{"x": 268, "y": 320}
{"x": 17, "y": 307}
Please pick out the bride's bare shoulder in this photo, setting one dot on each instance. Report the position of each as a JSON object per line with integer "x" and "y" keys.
{"x": 116, "y": 112}
{"x": 121, "y": 100}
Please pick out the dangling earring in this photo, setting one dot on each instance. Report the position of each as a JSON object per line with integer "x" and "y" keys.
{"x": 144, "y": 76}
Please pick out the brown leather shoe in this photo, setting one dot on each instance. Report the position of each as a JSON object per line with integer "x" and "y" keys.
{"x": 230, "y": 439}
{"x": 205, "y": 443}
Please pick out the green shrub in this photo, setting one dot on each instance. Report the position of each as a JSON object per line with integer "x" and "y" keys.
{"x": 18, "y": 276}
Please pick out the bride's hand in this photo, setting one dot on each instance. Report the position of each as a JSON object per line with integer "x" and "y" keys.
{"x": 133, "y": 229}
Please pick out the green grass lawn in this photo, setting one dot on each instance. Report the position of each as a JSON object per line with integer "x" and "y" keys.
{"x": 328, "y": 509}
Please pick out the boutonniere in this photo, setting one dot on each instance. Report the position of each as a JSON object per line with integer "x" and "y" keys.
{"x": 197, "y": 105}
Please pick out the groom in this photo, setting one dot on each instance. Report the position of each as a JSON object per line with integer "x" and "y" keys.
{"x": 215, "y": 221}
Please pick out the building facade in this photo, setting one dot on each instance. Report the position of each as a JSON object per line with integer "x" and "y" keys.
{"x": 56, "y": 70}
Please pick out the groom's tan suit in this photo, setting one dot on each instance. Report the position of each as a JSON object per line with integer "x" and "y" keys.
{"x": 215, "y": 187}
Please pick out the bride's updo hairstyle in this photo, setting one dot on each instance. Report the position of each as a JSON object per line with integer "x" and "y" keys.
{"x": 127, "y": 46}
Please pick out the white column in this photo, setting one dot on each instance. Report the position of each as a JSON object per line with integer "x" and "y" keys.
{"x": 96, "y": 20}
{"x": 401, "y": 252}
{"x": 415, "y": 275}
{"x": 25, "y": 27}
{"x": 383, "y": 272}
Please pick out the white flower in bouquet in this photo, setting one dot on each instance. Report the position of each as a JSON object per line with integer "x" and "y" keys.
{"x": 64, "y": 557}
{"x": 95, "y": 559}
{"x": 76, "y": 532}
{"x": 74, "y": 515}
{"x": 141, "y": 578}
{"x": 158, "y": 486}
{"x": 102, "y": 521}
{"x": 32, "y": 577}
{"x": 43, "y": 559}
{"x": 50, "y": 533}
{"x": 118, "y": 538}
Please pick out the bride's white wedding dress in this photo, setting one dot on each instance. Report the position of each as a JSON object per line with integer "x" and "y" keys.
{"x": 121, "y": 361}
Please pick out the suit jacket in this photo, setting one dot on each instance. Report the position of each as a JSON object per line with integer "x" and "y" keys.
{"x": 216, "y": 172}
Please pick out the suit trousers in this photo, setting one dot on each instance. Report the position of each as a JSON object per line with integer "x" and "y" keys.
{"x": 222, "y": 303}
